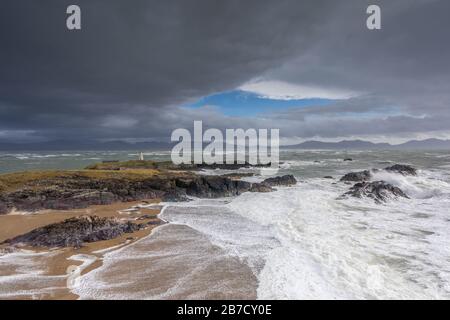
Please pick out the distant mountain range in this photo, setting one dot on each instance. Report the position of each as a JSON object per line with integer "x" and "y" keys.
{"x": 64, "y": 145}
{"x": 429, "y": 144}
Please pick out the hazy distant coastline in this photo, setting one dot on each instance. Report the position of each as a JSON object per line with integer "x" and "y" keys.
{"x": 62, "y": 145}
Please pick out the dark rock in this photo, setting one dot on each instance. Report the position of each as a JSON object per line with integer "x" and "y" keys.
{"x": 74, "y": 232}
{"x": 357, "y": 176}
{"x": 175, "y": 195}
{"x": 379, "y": 191}
{"x": 403, "y": 169}
{"x": 154, "y": 222}
{"x": 59, "y": 199}
{"x": 287, "y": 180}
{"x": 216, "y": 187}
{"x": 238, "y": 175}
{"x": 78, "y": 191}
{"x": 260, "y": 187}
{"x": 328, "y": 177}
{"x": 4, "y": 209}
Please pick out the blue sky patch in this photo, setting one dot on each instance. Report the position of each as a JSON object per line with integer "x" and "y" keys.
{"x": 241, "y": 103}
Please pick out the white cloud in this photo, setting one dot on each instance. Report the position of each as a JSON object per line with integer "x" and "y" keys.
{"x": 288, "y": 91}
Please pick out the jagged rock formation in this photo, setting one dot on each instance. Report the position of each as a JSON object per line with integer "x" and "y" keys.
{"x": 286, "y": 180}
{"x": 266, "y": 185}
{"x": 212, "y": 186}
{"x": 379, "y": 191}
{"x": 366, "y": 175}
{"x": 357, "y": 176}
{"x": 74, "y": 232}
{"x": 403, "y": 169}
{"x": 260, "y": 187}
{"x": 72, "y": 191}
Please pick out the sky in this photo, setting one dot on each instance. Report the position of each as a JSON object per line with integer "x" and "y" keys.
{"x": 139, "y": 69}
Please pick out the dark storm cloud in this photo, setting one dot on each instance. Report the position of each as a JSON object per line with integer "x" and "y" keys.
{"x": 132, "y": 59}
{"x": 402, "y": 68}
{"x": 126, "y": 72}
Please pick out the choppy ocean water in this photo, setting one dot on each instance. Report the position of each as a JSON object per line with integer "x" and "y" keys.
{"x": 297, "y": 242}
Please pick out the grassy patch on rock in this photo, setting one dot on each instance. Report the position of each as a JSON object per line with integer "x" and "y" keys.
{"x": 17, "y": 180}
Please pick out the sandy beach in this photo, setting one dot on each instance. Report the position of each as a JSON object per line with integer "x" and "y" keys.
{"x": 62, "y": 266}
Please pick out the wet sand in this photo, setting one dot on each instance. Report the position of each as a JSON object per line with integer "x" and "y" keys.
{"x": 175, "y": 262}
{"x": 36, "y": 268}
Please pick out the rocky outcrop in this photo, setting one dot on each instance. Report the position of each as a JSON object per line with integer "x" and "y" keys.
{"x": 75, "y": 190}
{"x": 79, "y": 194}
{"x": 379, "y": 191}
{"x": 213, "y": 186}
{"x": 287, "y": 180}
{"x": 63, "y": 199}
{"x": 403, "y": 169}
{"x": 3, "y": 206}
{"x": 260, "y": 187}
{"x": 266, "y": 185}
{"x": 74, "y": 232}
{"x": 357, "y": 176}
{"x": 238, "y": 175}
{"x": 175, "y": 195}
{"x": 366, "y": 175}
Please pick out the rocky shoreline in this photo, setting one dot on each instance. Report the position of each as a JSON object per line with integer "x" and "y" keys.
{"x": 119, "y": 182}
{"x": 76, "y": 191}
{"x": 122, "y": 182}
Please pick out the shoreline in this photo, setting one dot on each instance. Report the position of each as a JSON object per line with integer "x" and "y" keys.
{"x": 45, "y": 208}
{"x": 70, "y": 263}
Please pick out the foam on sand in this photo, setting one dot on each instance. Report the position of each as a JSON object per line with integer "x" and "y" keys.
{"x": 23, "y": 275}
{"x": 176, "y": 262}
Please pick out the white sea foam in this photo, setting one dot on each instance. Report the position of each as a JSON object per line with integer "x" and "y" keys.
{"x": 313, "y": 246}
{"x": 74, "y": 272}
{"x": 354, "y": 248}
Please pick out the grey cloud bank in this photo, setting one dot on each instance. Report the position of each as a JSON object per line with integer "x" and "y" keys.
{"x": 133, "y": 64}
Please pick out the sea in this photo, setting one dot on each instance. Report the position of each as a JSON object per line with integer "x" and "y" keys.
{"x": 298, "y": 242}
